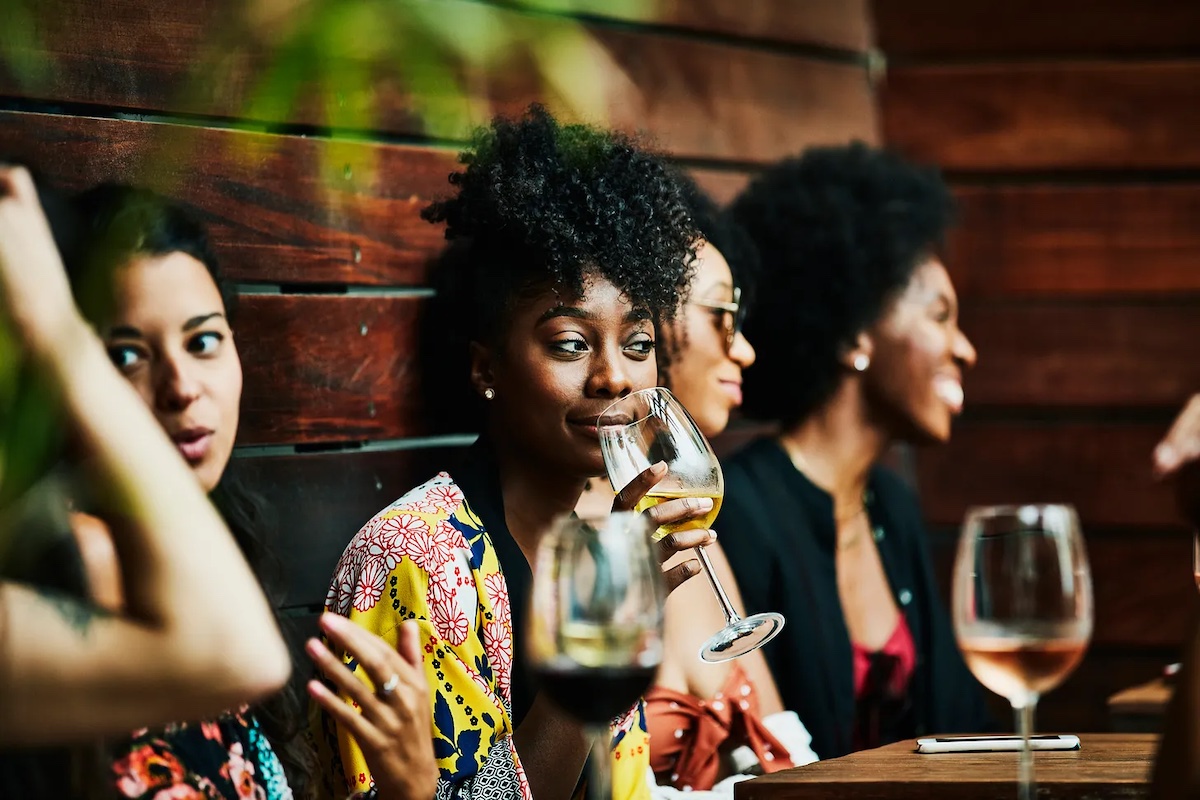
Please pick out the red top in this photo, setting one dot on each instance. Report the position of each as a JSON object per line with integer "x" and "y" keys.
{"x": 881, "y": 680}
{"x": 688, "y": 735}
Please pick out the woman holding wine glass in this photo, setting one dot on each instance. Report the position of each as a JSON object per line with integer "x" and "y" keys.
{"x": 719, "y": 709}
{"x": 858, "y": 348}
{"x": 567, "y": 245}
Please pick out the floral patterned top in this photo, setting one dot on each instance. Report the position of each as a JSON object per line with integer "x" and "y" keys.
{"x": 428, "y": 557}
{"x": 225, "y": 759}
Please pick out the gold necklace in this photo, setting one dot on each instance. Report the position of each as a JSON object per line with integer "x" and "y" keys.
{"x": 801, "y": 464}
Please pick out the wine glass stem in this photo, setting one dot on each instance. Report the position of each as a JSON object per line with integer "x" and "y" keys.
{"x": 1026, "y": 786}
{"x": 599, "y": 784}
{"x": 731, "y": 616}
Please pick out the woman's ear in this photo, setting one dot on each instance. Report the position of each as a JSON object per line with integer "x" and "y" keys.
{"x": 482, "y": 376}
{"x": 858, "y": 357}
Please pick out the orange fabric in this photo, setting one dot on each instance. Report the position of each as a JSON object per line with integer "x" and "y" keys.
{"x": 688, "y": 735}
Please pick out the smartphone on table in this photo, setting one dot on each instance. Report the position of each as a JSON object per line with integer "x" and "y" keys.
{"x": 996, "y": 743}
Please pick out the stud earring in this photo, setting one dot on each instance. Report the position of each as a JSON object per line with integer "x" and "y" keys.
{"x": 861, "y": 362}
{"x": 489, "y": 393}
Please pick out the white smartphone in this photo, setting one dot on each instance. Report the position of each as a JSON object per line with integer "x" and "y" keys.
{"x": 996, "y": 744}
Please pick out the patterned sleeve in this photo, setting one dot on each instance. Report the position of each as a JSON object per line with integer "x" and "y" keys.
{"x": 426, "y": 558}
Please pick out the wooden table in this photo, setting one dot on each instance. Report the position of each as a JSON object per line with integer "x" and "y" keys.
{"x": 1140, "y": 709}
{"x": 1107, "y": 765}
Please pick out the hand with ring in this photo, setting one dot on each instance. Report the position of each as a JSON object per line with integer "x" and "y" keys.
{"x": 393, "y": 725}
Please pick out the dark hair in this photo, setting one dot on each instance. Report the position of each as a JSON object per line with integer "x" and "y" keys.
{"x": 119, "y": 223}
{"x": 724, "y": 233}
{"x": 544, "y": 204}
{"x": 840, "y": 231}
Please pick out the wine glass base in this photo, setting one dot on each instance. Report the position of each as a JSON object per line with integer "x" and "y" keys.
{"x": 741, "y": 637}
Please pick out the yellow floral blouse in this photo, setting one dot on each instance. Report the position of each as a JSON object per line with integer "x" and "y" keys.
{"x": 428, "y": 557}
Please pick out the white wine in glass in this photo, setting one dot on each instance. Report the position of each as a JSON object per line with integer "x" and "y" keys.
{"x": 1022, "y": 603}
{"x": 651, "y": 426}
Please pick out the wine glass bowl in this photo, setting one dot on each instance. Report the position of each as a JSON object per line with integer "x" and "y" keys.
{"x": 595, "y": 632}
{"x": 1022, "y": 604}
{"x": 650, "y": 427}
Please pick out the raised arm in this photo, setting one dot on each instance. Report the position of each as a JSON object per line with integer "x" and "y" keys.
{"x": 197, "y": 635}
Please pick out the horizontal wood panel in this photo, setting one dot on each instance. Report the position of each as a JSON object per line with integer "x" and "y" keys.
{"x": 1102, "y": 468}
{"x": 1052, "y": 240}
{"x": 1083, "y": 355}
{"x": 318, "y": 501}
{"x": 279, "y": 208}
{"x": 1144, "y": 589}
{"x": 830, "y": 23}
{"x": 983, "y": 28}
{"x": 1046, "y": 116}
{"x": 321, "y": 368}
{"x": 695, "y": 98}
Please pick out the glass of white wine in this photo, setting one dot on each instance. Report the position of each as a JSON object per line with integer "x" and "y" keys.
{"x": 595, "y": 634}
{"x": 1022, "y": 603}
{"x": 651, "y": 426}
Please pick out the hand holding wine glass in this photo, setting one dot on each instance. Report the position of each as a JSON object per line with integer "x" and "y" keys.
{"x": 649, "y": 427}
{"x": 595, "y": 634}
{"x": 1022, "y": 602}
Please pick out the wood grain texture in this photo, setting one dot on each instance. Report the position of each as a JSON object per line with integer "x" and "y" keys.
{"x": 843, "y": 24}
{"x": 281, "y": 209}
{"x": 325, "y": 368}
{"x": 692, "y": 97}
{"x": 1046, "y": 116}
{"x": 1094, "y": 240}
{"x": 931, "y": 29}
{"x": 318, "y": 501}
{"x": 1102, "y": 468}
{"x": 1088, "y": 355}
{"x": 1105, "y": 766}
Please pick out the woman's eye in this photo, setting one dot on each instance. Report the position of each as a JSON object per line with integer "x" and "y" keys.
{"x": 123, "y": 357}
{"x": 642, "y": 347}
{"x": 205, "y": 344}
{"x": 570, "y": 346}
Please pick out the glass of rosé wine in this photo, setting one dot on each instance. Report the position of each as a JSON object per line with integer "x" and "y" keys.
{"x": 1022, "y": 604}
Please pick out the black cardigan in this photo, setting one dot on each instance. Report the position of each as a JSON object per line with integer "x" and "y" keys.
{"x": 777, "y": 529}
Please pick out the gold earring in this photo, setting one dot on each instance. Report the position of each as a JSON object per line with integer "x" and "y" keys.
{"x": 489, "y": 393}
{"x": 861, "y": 362}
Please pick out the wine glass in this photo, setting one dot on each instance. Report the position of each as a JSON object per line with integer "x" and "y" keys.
{"x": 595, "y": 633}
{"x": 649, "y": 426}
{"x": 1022, "y": 603}
{"x": 1196, "y": 556}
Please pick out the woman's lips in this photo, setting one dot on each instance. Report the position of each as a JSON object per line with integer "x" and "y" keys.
{"x": 733, "y": 390}
{"x": 193, "y": 445}
{"x": 949, "y": 390}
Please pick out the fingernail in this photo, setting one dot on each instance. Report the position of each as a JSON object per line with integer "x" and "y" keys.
{"x": 702, "y": 503}
{"x": 1165, "y": 456}
{"x": 660, "y": 466}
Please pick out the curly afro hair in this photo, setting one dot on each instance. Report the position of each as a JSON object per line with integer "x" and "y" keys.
{"x": 543, "y": 204}
{"x": 840, "y": 231}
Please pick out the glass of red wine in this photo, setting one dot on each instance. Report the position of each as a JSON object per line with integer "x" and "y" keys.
{"x": 1022, "y": 602}
{"x": 595, "y": 635}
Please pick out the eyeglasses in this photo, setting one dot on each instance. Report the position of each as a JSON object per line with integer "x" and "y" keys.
{"x": 733, "y": 315}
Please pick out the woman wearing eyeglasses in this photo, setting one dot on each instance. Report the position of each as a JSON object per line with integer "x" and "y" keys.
{"x": 709, "y": 722}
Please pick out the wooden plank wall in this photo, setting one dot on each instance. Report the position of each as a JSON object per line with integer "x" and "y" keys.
{"x": 1068, "y": 130}
{"x": 319, "y": 223}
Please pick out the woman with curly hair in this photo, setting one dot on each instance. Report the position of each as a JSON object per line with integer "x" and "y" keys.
{"x": 710, "y": 723}
{"x": 567, "y": 246}
{"x": 858, "y": 347}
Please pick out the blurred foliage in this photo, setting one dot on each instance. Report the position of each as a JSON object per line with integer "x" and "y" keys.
{"x": 343, "y": 65}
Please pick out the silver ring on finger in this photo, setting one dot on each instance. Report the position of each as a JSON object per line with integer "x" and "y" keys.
{"x": 388, "y": 687}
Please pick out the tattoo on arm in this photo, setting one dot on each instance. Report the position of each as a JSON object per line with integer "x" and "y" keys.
{"x": 75, "y": 612}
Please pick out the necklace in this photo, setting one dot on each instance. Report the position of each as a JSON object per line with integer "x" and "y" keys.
{"x": 801, "y": 464}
